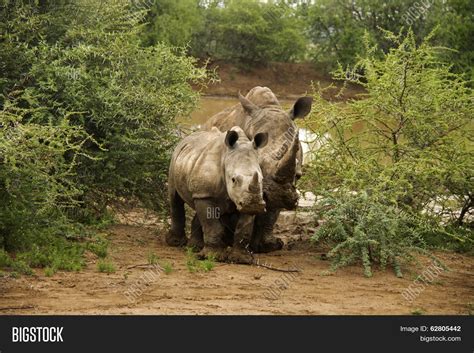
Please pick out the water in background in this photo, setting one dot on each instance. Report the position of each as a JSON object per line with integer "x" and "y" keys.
{"x": 212, "y": 105}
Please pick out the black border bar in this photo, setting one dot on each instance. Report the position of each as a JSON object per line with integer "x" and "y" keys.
{"x": 244, "y": 333}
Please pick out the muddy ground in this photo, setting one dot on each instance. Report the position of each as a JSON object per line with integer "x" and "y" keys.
{"x": 229, "y": 288}
{"x": 286, "y": 80}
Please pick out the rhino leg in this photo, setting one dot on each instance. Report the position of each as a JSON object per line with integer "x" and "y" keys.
{"x": 229, "y": 222}
{"x": 196, "y": 241}
{"x": 213, "y": 230}
{"x": 176, "y": 236}
{"x": 262, "y": 239}
{"x": 240, "y": 252}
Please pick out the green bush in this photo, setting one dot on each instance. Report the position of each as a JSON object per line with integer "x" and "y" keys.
{"x": 407, "y": 144}
{"x": 36, "y": 176}
{"x": 123, "y": 95}
{"x": 86, "y": 118}
{"x": 5, "y": 260}
{"x": 54, "y": 252}
{"x": 98, "y": 246}
{"x": 335, "y": 28}
{"x": 250, "y": 32}
{"x": 367, "y": 229}
{"x": 173, "y": 22}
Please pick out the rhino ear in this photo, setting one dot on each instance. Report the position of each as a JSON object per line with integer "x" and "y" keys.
{"x": 249, "y": 107}
{"x": 301, "y": 108}
{"x": 260, "y": 140}
{"x": 231, "y": 138}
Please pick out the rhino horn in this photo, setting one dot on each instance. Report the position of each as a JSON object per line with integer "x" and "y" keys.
{"x": 254, "y": 186}
{"x": 286, "y": 167}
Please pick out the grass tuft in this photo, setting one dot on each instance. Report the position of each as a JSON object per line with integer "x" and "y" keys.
{"x": 105, "y": 266}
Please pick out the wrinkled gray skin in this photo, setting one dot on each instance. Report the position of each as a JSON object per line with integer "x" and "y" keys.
{"x": 280, "y": 159}
{"x": 216, "y": 174}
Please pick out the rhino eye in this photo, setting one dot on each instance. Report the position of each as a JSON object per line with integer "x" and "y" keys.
{"x": 233, "y": 180}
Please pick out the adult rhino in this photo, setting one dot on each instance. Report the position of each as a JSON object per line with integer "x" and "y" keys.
{"x": 216, "y": 174}
{"x": 280, "y": 159}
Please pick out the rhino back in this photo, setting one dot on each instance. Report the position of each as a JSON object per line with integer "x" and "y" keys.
{"x": 226, "y": 119}
{"x": 235, "y": 115}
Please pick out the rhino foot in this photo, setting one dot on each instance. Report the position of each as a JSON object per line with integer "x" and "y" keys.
{"x": 196, "y": 244}
{"x": 239, "y": 256}
{"x": 218, "y": 254}
{"x": 172, "y": 239}
{"x": 268, "y": 244}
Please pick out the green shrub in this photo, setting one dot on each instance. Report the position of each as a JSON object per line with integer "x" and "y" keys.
{"x": 336, "y": 28}
{"x": 99, "y": 246}
{"x": 49, "y": 252}
{"x": 56, "y": 253}
{"x": 407, "y": 146}
{"x": 173, "y": 22}
{"x": 22, "y": 267}
{"x": 250, "y": 32}
{"x": 368, "y": 229}
{"x": 36, "y": 177}
{"x": 122, "y": 94}
{"x": 5, "y": 259}
{"x": 86, "y": 118}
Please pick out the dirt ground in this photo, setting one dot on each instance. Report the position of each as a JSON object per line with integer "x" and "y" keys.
{"x": 229, "y": 288}
{"x": 286, "y": 80}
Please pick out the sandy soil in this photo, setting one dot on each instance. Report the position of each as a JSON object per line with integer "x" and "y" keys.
{"x": 232, "y": 289}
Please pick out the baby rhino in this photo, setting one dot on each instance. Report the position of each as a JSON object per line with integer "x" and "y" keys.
{"x": 216, "y": 173}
